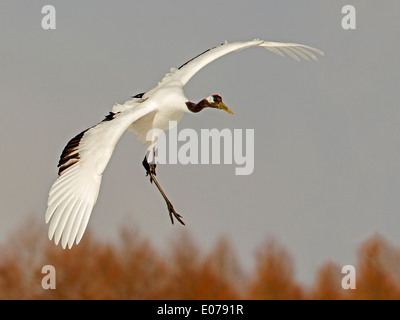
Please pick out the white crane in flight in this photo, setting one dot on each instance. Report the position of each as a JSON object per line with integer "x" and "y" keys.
{"x": 85, "y": 157}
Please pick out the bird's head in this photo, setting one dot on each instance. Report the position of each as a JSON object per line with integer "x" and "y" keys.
{"x": 214, "y": 101}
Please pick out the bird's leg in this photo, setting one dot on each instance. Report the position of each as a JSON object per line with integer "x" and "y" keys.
{"x": 150, "y": 170}
{"x": 150, "y": 167}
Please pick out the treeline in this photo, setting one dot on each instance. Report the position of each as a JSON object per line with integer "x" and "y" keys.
{"x": 133, "y": 269}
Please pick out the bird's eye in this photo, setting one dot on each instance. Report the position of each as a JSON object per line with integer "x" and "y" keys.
{"x": 217, "y": 98}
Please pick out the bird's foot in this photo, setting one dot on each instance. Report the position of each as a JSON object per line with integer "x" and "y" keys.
{"x": 174, "y": 213}
{"x": 151, "y": 170}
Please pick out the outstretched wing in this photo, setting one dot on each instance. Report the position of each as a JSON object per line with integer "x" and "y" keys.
{"x": 82, "y": 163}
{"x": 186, "y": 71}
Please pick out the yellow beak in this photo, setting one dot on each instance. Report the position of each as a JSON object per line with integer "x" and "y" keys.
{"x": 222, "y": 106}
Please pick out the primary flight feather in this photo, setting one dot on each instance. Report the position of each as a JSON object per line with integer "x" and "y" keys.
{"x": 85, "y": 157}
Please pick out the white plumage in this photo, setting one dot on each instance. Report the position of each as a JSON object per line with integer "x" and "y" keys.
{"x": 84, "y": 159}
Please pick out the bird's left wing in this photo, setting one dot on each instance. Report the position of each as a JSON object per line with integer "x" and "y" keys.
{"x": 186, "y": 71}
{"x": 82, "y": 163}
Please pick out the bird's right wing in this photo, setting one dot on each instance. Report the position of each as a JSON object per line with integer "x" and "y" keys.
{"x": 186, "y": 71}
{"x": 82, "y": 163}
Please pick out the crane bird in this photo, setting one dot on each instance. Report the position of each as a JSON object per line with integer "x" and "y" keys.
{"x": 85, "y": 157}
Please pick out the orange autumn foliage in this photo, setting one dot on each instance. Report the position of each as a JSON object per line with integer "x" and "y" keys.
{"x": 133, "y": 269}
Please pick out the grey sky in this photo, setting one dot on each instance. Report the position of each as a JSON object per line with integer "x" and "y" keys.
{"x": 327, "y": 134}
